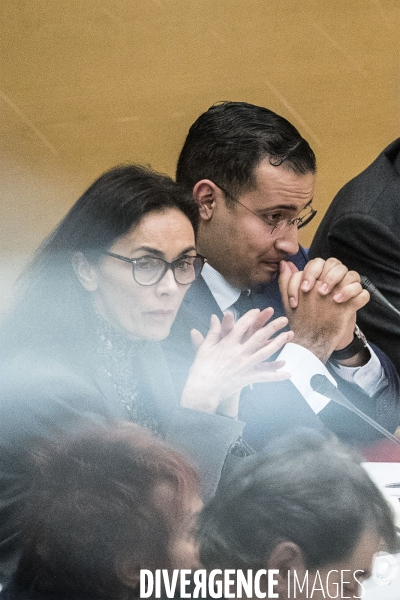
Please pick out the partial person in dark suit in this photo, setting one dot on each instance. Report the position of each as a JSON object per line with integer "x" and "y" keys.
{"x": 252, "y": 176}
{"x": 362, "y": 228}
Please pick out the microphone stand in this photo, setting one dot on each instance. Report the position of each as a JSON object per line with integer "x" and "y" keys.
{"x": 376, "y": 295}
{"x": 322, "y": 385}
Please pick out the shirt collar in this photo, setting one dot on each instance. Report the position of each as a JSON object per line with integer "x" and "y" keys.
{"x": 224, "y": 293}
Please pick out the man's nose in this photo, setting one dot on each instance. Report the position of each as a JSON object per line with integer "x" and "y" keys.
{"x": 287, "y": 239}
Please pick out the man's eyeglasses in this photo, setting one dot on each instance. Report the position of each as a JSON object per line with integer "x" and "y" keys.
{"x": 149, "y": 270}
{"x": 273, "y": 220}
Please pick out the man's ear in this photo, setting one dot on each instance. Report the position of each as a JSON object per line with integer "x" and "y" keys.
{"x": 286, "y": 557}
{"x": 85, "y": 271}
{"x": 205, "y": 194}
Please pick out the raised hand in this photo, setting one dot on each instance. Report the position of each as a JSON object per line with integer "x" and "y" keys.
{"x": 321, "y": 303}
{"x": 327, "y": 276}
{"x": 228, "y": 323}
{"x": 232, "y": 356}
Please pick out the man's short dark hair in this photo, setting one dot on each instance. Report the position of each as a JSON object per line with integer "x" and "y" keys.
{"x": 227, "y": 142}
{"x": 306, "y": 488}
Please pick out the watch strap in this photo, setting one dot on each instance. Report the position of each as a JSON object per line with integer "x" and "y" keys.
{"x": 357, "y": 344}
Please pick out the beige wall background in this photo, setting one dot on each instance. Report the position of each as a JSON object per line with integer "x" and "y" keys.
{"x": 87, "y": 84}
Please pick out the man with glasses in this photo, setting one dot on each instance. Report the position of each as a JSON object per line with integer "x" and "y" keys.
{"x": 252, "y": 176}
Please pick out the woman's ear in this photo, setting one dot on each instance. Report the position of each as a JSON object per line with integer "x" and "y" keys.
{"x": 205, "y": 195}
{"x": 85, "y": 271}
{"x": 286, "y": 558}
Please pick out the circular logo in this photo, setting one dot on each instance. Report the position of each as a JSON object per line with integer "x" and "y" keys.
{"x": 385, "y": 568}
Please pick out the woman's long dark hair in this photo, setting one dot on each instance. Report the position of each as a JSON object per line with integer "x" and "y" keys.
{"x": 51, "y": 308}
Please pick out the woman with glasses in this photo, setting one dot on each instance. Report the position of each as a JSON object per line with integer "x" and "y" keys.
{"x": 81, "y": 344}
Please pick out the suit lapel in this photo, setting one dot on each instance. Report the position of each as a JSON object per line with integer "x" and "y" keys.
{"x": 105, "y": 387}
{"x": 155, "y": 384}
{"x": 197, "y": 307}
{"x": 156, "y": 377}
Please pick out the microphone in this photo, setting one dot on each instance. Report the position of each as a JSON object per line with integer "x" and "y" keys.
{"x": 322, "y": 385}
{"x": 377, "y": 295}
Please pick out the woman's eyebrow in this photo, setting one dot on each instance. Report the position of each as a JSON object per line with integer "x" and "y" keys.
{"x": 162, "y": 254}
{"x": 150, "y": 249}
{"x": 186, "y": 250}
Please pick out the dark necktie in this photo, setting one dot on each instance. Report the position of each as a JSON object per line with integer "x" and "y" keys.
{"x": 244, "y": 303}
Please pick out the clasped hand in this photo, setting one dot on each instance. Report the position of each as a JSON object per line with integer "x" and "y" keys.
{"x": 321, "y": 303}
{"x": 232, "y": 356}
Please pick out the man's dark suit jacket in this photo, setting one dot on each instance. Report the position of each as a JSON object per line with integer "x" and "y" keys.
{"x": 362, "y": 229}
{"x": 270, "y": 408}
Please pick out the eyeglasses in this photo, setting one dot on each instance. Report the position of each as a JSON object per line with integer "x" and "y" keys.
{"x": 273, "y": 220}
{"x": 149, "y": 270}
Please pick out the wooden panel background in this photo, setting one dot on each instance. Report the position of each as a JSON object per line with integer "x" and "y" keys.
{"x": 86, "y": 84}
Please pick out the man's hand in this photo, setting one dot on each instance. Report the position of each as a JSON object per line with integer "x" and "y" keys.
{"x": 328, "y": 276}
{"x": 321, "y": 303}
{"x": 231, "y": 357}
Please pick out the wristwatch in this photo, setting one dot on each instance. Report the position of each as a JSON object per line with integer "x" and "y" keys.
{"x": 358, "y": 343}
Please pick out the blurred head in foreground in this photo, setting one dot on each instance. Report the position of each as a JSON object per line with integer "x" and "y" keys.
{"x": 102, "y": 506}
{"x": 304, "y": 505}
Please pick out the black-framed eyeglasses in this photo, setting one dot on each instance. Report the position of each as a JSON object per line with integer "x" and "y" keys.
{"x": 149, "y": 270}
{"x": 304, "y": 218}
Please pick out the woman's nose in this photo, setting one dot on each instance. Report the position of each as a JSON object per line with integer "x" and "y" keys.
{"x": 168, "y": 284}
